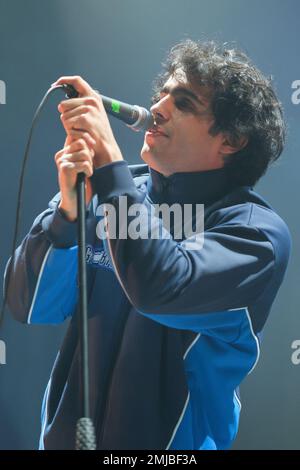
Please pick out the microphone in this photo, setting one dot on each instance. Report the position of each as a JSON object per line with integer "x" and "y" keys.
{"x": 136, "y": 117}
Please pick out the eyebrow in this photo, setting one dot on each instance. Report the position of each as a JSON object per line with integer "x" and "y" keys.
{"x": 182, "y": 91}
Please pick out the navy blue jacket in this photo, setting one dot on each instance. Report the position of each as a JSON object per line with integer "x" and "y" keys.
{"x": 172, "y": 331}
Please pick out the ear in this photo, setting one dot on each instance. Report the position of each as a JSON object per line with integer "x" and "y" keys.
{"x": 232, "y": 145}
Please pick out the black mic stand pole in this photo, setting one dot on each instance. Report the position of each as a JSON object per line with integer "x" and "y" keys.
{"x": 85, "y": 433}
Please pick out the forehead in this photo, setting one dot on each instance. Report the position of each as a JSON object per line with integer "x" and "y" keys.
{"x": 180, "y": 80}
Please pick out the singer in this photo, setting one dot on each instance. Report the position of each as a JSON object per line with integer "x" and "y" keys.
{"x": 172, "y": 331}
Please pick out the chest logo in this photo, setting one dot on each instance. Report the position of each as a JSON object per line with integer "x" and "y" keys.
{"x": 97, "y": 258}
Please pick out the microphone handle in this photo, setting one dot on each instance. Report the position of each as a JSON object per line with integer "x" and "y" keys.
{"x": 128, "y": 114}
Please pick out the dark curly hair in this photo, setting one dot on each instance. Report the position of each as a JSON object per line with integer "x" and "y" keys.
{"x": 242, "y": 101}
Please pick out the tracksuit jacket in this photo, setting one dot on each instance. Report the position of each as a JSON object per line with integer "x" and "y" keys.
{"x": 172, "y": 331}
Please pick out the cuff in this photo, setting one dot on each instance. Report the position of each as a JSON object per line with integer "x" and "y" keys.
{"x": 60, "y": 232}
{"x": 113, "y": 180}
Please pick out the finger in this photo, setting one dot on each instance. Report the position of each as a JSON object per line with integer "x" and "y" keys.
{"x": 78, "y": 83}
{"x": 76, "y": 145}
{"x": 79, "y": 123}
{"x": 81, "y": 156}
{"x": 79, "y": 144}
{"x": 74, "y": 103}
{"x": 76, "y": 134}
{"x": 68, "y": 168}
{"x": 59, "y": 154}
{"x": 68, "y": 141}
{"x": 73, "y": 146}
{"x": 73, "y": 110}
{"x": 78, "y": 148}
{"x": 81, "y": 126}
{"x": 72, "y": 160}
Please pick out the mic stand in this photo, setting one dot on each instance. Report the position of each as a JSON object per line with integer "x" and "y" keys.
{"x": 85, "y": 433}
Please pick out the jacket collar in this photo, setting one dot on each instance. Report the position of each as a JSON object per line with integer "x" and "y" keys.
{"x": 204, "y": 187}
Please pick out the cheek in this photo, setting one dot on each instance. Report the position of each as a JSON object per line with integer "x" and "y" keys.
{"x": 192, "y": 131}
{"x": 190, "y": 139}
{"x": 193, "y": 142}
{"x": 200, "y": 135}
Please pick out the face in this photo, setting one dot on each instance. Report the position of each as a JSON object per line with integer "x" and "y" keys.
{"x": 180, "y": 139}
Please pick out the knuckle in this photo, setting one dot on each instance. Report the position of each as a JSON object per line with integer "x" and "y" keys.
{"x": 66, "y": 123}
{"x": 86, "y": 136}
{"x": 87, "y": 108}
{"x": 80, "y": 153}
{"x": 77, "y": 122}
{"x": 86, "y": 155}
{"x": 62, "y": 105}
{"x": 81, "y": 142}
{"x": 97, "y": 95}
{"x": 83, "y": 119}
{"x": 84, "y": 109}
{"x": 92, "y": 102}
{"x": 65, "y": 166}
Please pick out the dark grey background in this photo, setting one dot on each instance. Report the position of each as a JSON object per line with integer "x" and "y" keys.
{"x": 117, "y": 45}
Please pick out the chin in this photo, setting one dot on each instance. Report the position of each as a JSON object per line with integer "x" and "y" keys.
{"x": 152, "y": 160}
{"x": 153, "y": 163}
{"x": 147, "y": 155}
{"x": 148, "y": 160}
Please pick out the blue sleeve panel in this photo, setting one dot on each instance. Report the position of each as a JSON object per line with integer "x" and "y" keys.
{"x": 179, "y": 287}
{"x": 41, "y": 281}
{"x": 220, "y": 365}
{"x": 221, "y": 324}
{"x": 56, "y": 290}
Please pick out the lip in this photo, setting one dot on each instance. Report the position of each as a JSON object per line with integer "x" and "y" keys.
{"x": 156, "y": 132}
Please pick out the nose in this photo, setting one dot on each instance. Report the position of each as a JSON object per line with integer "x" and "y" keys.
{"x": 162, "y": 109}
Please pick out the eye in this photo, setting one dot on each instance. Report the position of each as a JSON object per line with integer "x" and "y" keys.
{"x": 183, "y": 104}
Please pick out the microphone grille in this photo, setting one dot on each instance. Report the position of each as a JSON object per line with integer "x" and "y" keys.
{"x": 145, "y": 120}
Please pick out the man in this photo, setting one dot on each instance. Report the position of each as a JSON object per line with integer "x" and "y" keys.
{"x": 172, "y": 331}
